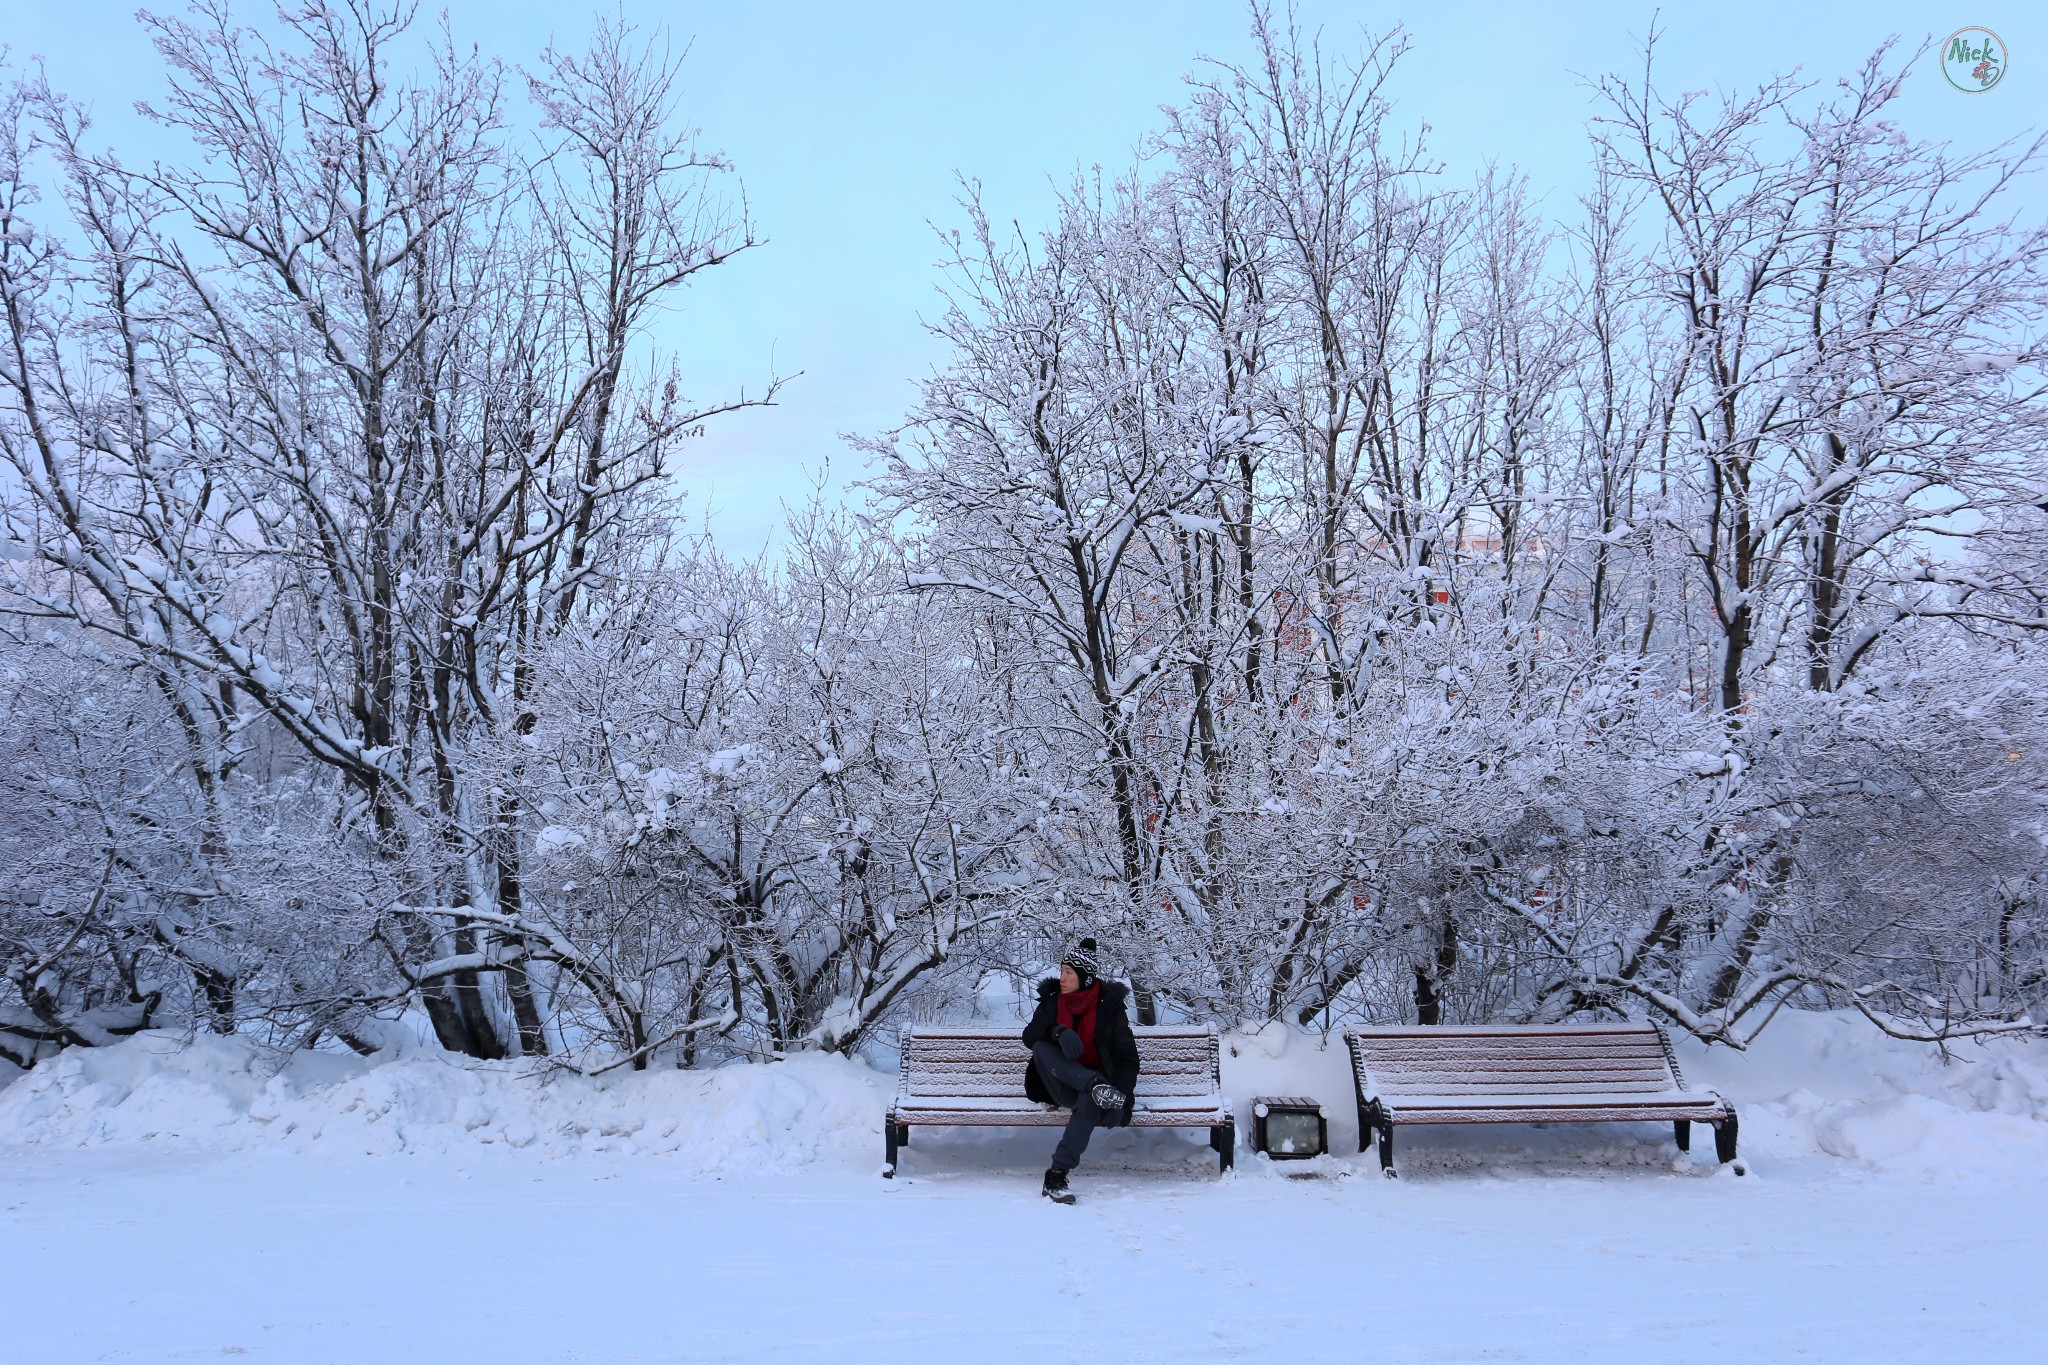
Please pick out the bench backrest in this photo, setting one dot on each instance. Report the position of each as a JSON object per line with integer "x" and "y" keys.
{"x": 1479, "y": 1060}
{"x": 988, "y": 1063}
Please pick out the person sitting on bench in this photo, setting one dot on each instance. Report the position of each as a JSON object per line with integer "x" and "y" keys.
{"x": 1083, "y": 1058}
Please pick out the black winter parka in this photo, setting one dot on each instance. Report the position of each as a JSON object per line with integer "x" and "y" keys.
{"x": 1113, "y": 1043}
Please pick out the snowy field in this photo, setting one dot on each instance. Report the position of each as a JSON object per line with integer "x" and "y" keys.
{"x": 172, "y": 1202}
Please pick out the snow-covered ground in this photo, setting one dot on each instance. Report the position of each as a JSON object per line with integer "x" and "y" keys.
{"x": 171, "y": 1201}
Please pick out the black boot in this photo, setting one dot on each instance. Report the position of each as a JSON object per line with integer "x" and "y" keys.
{"x": 1056, "y": 1187}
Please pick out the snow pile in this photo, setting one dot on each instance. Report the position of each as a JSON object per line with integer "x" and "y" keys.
{"x": 222, "y": 1094}
{"x": 1830, "y": 1086}
{"x": 1824, "y": 1091}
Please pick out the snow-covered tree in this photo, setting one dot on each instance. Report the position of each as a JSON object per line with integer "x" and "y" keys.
{"x": 334, "y": 422}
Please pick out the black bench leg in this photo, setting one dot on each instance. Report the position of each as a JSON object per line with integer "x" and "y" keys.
{"x": 892, "y": 1135}
{"x": 1682, "y": 1130}
{"x": 1223, "y": 1138}
{"x": 1387, "y": 1150}
{"x": 1724, "y": 1138}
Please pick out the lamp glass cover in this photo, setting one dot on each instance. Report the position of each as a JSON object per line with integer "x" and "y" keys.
{"x": 1293, "y": 1133}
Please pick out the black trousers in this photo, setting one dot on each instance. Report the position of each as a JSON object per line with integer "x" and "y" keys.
{"x": 1069, "y": 1083}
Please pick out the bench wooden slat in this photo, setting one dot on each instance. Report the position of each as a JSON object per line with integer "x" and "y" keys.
{"x": 1004, "y": 1080}
{"x": 1419, "y": 1077}
{"x": 997, "y": 1088}
{"x": 1004, "y": 1104}
{"x": 1558, "y": 1085}
{"x": 1470, "y": 1049}
{"x": 1705, "y": 1113}
{"x": 922, "y": 1111}
{"x": 979, "y": 1062}
{"x": 1055, "y": 1118}
{"x": 1644, "y": 1071}
{"x": 1526, "y": 1031}
{"x": 1559, "y": 1099}
{"x": 1508, "y": 1066}
{"x": 1398, "y": 1066}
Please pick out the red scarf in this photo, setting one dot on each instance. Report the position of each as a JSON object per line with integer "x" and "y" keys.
{"x": 1077, "y": 1012}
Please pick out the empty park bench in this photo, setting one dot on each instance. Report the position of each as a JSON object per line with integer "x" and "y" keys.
{"x": 974, "y": 1077}
{"x": 1559, "y": 1073}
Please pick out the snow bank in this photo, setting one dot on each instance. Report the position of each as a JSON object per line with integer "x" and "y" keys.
{"x": 222, "y": 1094}
{"x": 1831, "y": 1086}
{"x": 1823, "y": 1091}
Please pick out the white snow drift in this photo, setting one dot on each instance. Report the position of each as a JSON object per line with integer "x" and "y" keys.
{"x": 1817, "y": 1086}
{"x": 222, "y": 1094}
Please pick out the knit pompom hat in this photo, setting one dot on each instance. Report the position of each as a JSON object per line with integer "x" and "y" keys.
{"x": 1083, "y": 959}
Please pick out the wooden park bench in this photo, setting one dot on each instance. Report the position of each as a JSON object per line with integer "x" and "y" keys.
{"x": 974, "y": 1077}
{"x": 1562, "y": 1073}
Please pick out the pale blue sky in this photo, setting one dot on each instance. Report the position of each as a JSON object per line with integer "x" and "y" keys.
{"x": 847, "y": 123}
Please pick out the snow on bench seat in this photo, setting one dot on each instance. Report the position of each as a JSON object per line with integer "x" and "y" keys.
{"x": 1545, "y": 1108}
{"x": 954, "y": 1076}
{"x": 973, "y": 1109}
{"x": 1556, "y": 1073}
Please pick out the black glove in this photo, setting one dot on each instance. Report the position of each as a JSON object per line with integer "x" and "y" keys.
{"x": 1070, "y": 1043}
